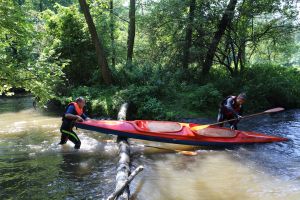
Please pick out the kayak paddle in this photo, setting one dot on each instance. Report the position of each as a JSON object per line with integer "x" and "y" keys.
{"x": 187, "y": 153}
{"x": 195, "y": 128}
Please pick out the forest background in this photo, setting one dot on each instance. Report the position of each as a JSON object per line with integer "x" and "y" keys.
{"x": 171, "y": 59}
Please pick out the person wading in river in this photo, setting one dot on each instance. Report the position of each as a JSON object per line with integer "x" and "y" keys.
{"x": 232, "y": 107}
{"x": 73, "y": 113}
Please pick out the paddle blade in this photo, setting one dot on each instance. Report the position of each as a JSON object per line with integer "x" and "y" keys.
{"x": 274, "y": 110}
{"x": 196, "y": 128}
{"x": 188, "y": 153}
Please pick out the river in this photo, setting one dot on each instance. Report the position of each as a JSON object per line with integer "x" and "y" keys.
{"x": 33, "y": 166}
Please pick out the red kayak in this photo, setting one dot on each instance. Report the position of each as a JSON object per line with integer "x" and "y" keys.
{"x": 175, "y": 132}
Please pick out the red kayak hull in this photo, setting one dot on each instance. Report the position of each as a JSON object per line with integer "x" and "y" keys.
{"x": 178, "y": 133}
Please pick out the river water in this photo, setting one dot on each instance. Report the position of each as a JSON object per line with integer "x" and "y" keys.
{"x": 33, "y": 166}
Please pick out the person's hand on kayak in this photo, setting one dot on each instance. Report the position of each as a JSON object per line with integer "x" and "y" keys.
{"x": 79, "y": 119}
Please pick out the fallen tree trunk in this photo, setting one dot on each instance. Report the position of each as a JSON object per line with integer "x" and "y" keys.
{"x": 126, "y": 183}
{"x": 123, "y": 170}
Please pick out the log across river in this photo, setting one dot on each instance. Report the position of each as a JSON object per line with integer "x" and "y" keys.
{"x": 33, "y": 166}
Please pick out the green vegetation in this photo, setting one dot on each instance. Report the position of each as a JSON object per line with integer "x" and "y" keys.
{"x": 170, "y": 59}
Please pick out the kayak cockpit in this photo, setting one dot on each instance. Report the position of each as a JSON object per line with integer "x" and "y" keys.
{"x": 216, "y": 132}
{"x": 157, "y": 126}
{"x": 171, "y": 127}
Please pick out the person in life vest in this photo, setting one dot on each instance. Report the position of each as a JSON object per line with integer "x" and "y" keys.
{"x": 73, "y": 113}
{"x": 232, "y": 107}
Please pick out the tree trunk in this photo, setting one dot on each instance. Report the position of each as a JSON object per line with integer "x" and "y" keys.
{"x": 242, "y": 56}
{"x": 226, "y": 19}
{"x": 131, "y": 32}
{"x": 112, "y": 36}
{"x": 188, "y": 36}
{"x": 101, "y": 58}
{"x": 234, "y": 57}
{"x": 41, "y": 5}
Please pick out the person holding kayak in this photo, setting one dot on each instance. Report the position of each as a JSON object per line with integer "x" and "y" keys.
{"x": 73, "y": 113}
{"x": 232, "y": 107}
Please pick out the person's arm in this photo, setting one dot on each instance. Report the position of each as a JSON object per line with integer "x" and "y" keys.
{"x": 69, "y": 114}
{"x": 73, "y": 117}
{"x": 83, "y": 116}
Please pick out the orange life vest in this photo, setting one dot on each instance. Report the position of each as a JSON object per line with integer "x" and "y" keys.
{"x": 78, "y": 110}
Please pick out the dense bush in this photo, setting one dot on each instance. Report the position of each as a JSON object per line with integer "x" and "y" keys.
{"x": 270, "y": 86}
{"x": 267, "y": 86}
{"x": 201, "y": 97}
{"x": 144, "y": 98}
{"x": 70, "y": 40}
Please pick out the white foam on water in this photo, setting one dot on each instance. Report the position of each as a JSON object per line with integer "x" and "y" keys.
{"x": 88, "y": 144}
{"x": 34, "y": 147}
{"x": 32, "y": 154}
{"x": 111, "y": 148}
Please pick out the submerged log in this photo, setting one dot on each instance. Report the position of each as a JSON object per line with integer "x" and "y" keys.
{"x": 123, "y": 169}
{"x": 126, "y": 183}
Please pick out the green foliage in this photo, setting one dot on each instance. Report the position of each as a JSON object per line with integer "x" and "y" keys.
{"x": 281, "y": 52}
{"x": 202, "y": 97}
{"x": 266, "y": 86}
{"x": 99, "y": 99}
{"x": 271, "y": 85}
{"x": 142, "y": 74}
{"x": 26, "y": 62}
{"x": 145, "y": 98}
{"x": 46, "y": 49}
{"x": 42, "y": 5}
{"x": 67, "y": 29}
{"x": 103, "y": 101}
{"x": 151, "y": 109}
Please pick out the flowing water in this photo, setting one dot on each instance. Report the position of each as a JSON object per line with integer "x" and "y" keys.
{"x": 33, "y": 166}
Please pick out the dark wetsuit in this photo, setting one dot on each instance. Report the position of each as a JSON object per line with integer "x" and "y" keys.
{"x": 66, "y": 128}
{"x": 230, "y": 109}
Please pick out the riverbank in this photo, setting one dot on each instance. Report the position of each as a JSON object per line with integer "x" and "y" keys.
{"x": 164, "y": 98}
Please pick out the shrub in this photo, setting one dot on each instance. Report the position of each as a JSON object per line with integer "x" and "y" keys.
{"x": 202, "y": 97}
{"x": 151, "y": 109}
{"x": 269, "y": 86}
{"x": 144, "y": 98}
